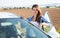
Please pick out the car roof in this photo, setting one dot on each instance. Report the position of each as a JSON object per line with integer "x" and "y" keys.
{"x": 8, "y": 15}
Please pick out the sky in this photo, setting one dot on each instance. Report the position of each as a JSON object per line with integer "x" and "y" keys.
{"x": 26, "y": 3}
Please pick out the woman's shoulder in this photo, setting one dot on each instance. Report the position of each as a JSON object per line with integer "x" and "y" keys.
{"x": 29, "y": 18}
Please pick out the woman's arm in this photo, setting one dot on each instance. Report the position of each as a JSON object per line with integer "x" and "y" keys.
{"x": 29, "y": 19}
{"x": 44, "y": 20}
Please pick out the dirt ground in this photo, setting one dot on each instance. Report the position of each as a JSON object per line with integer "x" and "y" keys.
{"x": 54, "y": 14}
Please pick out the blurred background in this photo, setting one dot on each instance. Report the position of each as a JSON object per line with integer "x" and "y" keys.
{"x": 23, "y": 8}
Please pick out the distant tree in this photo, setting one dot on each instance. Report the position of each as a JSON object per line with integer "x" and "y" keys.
{"x": 47, "y": 7}
{"x": 17, "y": 7}
{"x": 5, "y": 8}
{"x": 23, "y": 7}
{"x": 28, "y": 8}
{"x": 20, "y": 7}
{"x": 59, "y": 6}
{"x": 10, "y": 8}
{"x": 14, "y": 8}
{"x": 55, "y": 6}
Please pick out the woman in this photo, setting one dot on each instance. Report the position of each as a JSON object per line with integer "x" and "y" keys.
{"x": 37, "y": 18}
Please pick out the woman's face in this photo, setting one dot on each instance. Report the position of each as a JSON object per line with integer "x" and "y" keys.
{"x": 34, "y": 10}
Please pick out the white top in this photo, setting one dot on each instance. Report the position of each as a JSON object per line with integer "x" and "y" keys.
{"x": 35, "y": 23}
{"x": 8, "y": 15}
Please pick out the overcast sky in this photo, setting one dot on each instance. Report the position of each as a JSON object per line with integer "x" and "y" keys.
{"x": 18, "y": 3}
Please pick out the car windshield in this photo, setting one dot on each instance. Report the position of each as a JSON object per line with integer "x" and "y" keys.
{"x": 32, "y": 30}
{"x": 8, "y": 28}
{"x": 12, "y": 27}
{"x": 2, "y": 34}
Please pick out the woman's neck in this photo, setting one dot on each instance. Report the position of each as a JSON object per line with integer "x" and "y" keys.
{"x": 34, "y": 17}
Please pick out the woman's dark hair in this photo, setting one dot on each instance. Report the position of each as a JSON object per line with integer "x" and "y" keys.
{"x": 35, "y": 5}
{"x": 38, "y": 14}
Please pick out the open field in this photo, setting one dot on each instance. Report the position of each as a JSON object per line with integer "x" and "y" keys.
{"x": 54, "y": 14}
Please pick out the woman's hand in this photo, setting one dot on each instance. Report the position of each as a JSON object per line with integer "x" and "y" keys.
{"x": 44, "y": 24}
